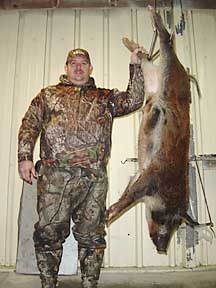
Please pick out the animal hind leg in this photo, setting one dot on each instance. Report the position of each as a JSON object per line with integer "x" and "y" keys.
{"x": 158, "y": 24}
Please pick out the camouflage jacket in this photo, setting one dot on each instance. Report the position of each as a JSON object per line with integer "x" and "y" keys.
{"x": 75, "y": 122}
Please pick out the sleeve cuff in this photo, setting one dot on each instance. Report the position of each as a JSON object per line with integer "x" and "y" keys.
{"x": 25, "y": 158}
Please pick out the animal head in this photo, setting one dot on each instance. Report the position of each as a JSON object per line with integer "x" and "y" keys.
{"x": 162, "y": 224}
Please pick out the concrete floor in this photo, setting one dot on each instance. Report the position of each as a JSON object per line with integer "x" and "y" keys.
{"x": 128, "y": 278}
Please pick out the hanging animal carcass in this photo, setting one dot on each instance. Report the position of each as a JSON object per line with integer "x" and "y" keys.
{"x": 163, "y": 145}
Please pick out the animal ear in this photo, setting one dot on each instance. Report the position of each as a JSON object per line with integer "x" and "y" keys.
{"x": 189, "y": 221}
{"x": 177, "y": 220}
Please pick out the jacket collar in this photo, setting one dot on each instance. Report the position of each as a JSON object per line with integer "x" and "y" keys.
{"x": 66, "y": 82}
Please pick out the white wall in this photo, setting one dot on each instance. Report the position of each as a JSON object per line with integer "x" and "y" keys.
{"x": 33, "y": 48}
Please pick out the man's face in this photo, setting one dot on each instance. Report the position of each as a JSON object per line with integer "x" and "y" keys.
{"x": 78, "y": 70}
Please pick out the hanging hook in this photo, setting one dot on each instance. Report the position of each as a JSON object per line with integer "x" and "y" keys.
{"x": 180, "y": 27}
{"x": 129, "y": 160}
{"x": 155, "y": 4}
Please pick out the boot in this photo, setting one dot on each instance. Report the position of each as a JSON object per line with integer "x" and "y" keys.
{"x": 48, "y": 282}
{"x": 90, "y": 264}
{"x": 48, "y": 264}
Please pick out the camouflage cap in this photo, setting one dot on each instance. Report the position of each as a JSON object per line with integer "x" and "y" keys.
{"x": 78, "y": 52}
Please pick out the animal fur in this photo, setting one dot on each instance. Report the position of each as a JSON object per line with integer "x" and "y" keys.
{"x": 163, "y": 145}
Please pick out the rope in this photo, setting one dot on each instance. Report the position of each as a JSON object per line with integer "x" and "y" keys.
{"x": 203, "y": 190}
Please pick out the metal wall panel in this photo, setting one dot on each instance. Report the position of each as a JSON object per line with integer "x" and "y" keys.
{"x": 209, "y": 179}
{"x": 8, "y": 47}
{"x": 202, "y": 44}
{"x": 204, "y": 25}
{"x": 122, "y": 233}
{"x": 34, "y": 45}
{"x": 29, "y": 76}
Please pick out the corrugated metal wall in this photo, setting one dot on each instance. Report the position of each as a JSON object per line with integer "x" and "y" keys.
{"x": 33, "y": 48}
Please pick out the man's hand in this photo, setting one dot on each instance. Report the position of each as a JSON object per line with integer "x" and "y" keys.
{"x": 27, "y": 171}
{"x": 138, "y": 54}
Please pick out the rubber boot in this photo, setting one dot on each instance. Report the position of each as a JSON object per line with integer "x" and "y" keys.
{"x": 90, "y": 264}
{"x": 48, "y": 264}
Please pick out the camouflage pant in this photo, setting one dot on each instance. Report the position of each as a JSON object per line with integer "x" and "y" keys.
{"x": 77, "y": 193}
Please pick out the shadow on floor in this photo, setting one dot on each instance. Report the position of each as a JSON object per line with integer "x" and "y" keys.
{"x": 137, "y": 278}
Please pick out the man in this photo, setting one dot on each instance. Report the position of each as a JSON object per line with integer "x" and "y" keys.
{"x": 74, "y": 119}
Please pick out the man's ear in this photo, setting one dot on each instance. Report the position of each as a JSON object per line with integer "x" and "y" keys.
{"x": 91, "y": 69}
{"x": 66, "y": 68}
